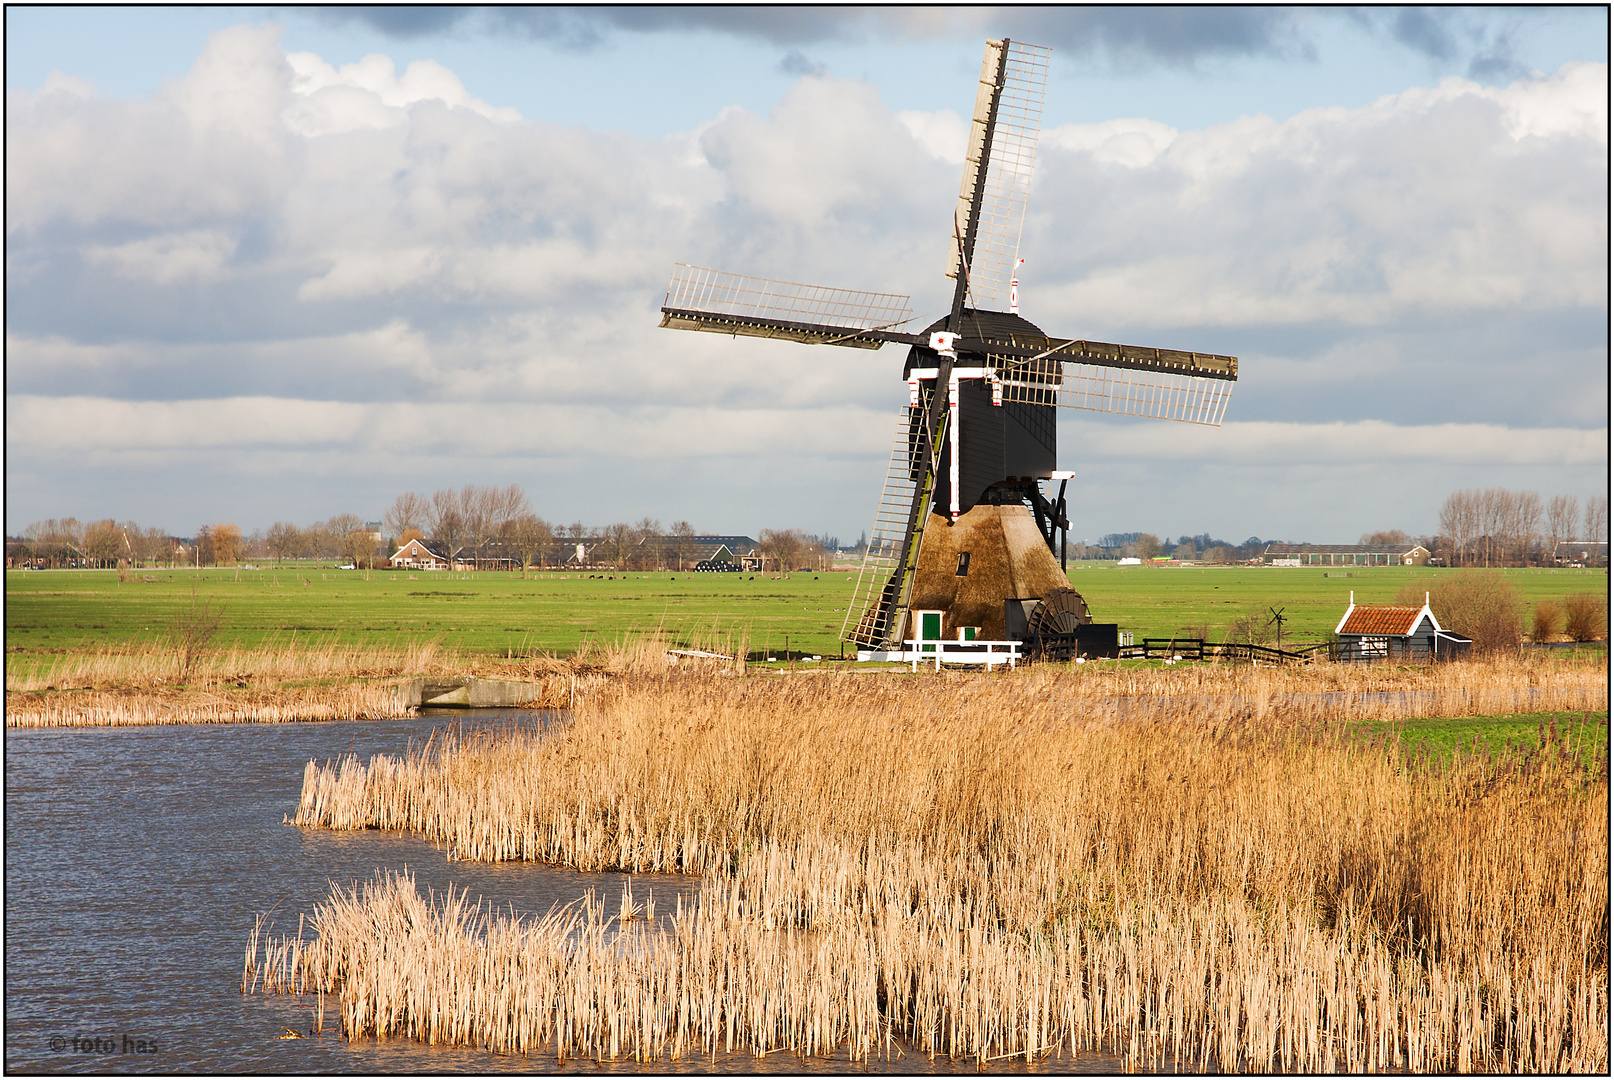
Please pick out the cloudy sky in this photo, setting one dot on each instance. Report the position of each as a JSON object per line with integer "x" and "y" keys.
{"x": 269, "y": 264}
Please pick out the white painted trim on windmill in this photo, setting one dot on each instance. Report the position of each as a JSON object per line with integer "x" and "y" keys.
{"x": 960, "y": 372}
{"x": 1062, "y": 474}
{"x": 954, "y": 440}
{"x": 913, "y": 392}
{"x": 942, "y": 341}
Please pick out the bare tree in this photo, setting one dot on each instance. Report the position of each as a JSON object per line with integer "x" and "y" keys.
{"x": 1386, "y": 538}
{"x": 408, "y": 511}
{"x": 59, "y": 540}
{"x": 683, "y": 534}
{"x": 137, "y": 546}
{"x": 1462, "y": 521}
{"x": 342, "y": 524}
{"x": 1527, "y": 523}
{"x": 510, "y": 503}
{"x": 319, "y": 541}
{"x": 648, "y": 530}
{"x": 102, "y": 542}
{"x": 783, "y": 547}
{"x": 226, "y": 544}
{"x": 156, "y": 544}
{"x": 620, "y": 539}
{"x": 1563, "y": 512}
{"x": 358, "y": 547}
{"x": 476, "y": 511}
{"x": 447, "y": 522}
{"x": 1451, "y": 526}
{"x": 529, "y": 535}
{"x": 283, "y": 539}
{"x": 1597, "y": 519}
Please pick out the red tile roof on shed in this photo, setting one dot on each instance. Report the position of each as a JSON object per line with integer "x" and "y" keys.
{"x": 1381, "y": 620}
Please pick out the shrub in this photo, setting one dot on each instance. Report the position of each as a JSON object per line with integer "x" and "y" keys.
{"x": 1544, "y": 623}
{"x": 1586, "y": 616}
{"x": 1251, "y": 628}
{"x": 1478, "y": 604}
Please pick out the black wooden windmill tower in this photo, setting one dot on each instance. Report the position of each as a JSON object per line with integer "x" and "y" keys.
{"x": 965, "y": 538}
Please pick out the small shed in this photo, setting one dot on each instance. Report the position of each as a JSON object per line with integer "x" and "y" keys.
{"x": 1400, "y": 633}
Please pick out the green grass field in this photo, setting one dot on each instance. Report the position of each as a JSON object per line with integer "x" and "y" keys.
{"x": 1507, "y": 736}
{"x": 75, "y": 611}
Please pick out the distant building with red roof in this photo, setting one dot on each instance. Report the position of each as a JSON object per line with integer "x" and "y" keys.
{"x": 1402, "y": 633}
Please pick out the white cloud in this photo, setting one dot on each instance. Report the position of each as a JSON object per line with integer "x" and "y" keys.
{"x": 1132, "y": 143}
{"x": 1422, "y": 204}
{"x": 167, "y": 259}
{"x": 98, "y": 429}
{"x": 1363, "y": 442}
{"x": 370, "y": 94}
{"x": 943, "y": 134}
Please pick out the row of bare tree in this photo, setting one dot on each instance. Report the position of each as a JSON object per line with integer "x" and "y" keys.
{"x": 60, "y": 542}
{"x": 479, "y": 525}
{"x": 344, "y": 536}
{"x": 69, "y": 542}
{"x": 1499, "y": 527}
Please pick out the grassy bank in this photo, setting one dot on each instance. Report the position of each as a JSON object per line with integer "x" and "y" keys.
{"x": 1516, "y": 736}
{"x": 166, "y": 683}
{"x": 989, "y": 867}
{"x": 506, "y": 615}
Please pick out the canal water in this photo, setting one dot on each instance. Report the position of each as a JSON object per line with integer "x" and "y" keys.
{"x": 137, "y": 858}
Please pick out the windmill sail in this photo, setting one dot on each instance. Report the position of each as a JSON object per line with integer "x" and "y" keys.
{"x": 699, "y": 298}
{"x": 1129, "y": 380}
{"x": 1009, "y": 142}
{"x": 1155, "y": 395}
{"x": 876, "y": 599}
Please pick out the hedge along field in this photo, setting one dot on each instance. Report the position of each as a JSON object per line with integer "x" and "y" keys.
{"x": 502, "y": 613}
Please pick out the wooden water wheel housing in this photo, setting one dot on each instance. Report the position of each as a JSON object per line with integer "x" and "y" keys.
{"x": 1060, "y": 612}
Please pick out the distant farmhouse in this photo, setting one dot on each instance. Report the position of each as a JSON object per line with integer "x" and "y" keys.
{"x": 1581, "y": 553}
{"x": 1405, "y": 633}
{"x": 1345, "y": 555}
{"x": 420, "y": 555}
{"x": 743, "y": 551}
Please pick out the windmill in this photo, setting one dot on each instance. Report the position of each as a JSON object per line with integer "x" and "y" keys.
{"x": 965, "y": 536}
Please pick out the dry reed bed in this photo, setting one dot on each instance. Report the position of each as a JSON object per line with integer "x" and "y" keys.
{"x": 153, "y": 664}
{"x": 1323, "y": 692}
{"x": 100, "y": 708}
{"x": 977, "y": 868}
{"x": 157, "y": 683}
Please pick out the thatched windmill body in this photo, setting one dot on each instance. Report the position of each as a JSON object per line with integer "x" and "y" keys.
{"x": 964, "y": 528}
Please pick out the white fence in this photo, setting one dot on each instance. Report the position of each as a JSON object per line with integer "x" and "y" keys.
{"x": 979, "y": 653}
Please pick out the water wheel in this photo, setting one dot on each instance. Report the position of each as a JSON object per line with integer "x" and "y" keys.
{"x": 1060, "y": 612}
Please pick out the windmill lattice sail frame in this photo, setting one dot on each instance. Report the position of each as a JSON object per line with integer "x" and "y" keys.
{"x": 700, "y": 298}
{"x": 1153, "y": 395}
{"x": 1012, "y": 156}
